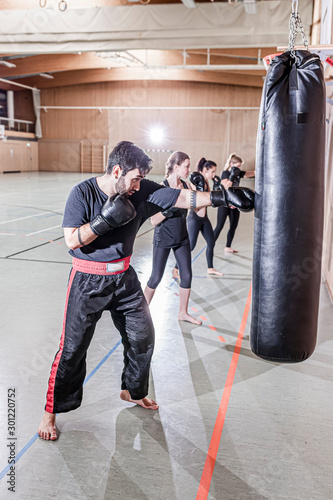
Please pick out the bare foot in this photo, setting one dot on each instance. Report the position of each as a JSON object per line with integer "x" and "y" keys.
{"x": 175, "y": 273}
{"x": 47, "y": 428}
{"x": 230, "y": 250}
{"x": 190, "y": 319}
{"x": 214, "y": 272}
{"x": 147, "y": 403}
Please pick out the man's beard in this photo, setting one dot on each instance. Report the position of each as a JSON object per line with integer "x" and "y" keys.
{"x": 121, "y": 186}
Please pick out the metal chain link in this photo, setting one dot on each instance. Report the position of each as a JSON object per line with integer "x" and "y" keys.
{"x": 295, "y": 27}
{"x": 62, "y": 5}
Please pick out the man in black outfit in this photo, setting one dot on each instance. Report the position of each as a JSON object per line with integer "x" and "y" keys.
{"x": 100, "y": 225}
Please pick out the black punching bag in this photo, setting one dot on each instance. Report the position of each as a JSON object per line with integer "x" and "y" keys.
{"x": 289, "y": 204}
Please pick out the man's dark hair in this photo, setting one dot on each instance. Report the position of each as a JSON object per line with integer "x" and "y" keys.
{"x": 129, "y": 156}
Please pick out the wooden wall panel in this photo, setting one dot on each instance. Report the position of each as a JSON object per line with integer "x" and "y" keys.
{"x": 93, "y": 156}
{"x": 198, "y": 133}
{"x": 152, "y": 93}
{"x": 210, "y": 133}
{"x": 59, "y": 155}
{"x": 18, "y": 156}
{"x": 31, "y": 157}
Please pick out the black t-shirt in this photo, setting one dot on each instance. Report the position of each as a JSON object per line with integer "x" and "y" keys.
{"x": 226, "y": 174}
{"x": 172, "y": 232}
{"x": 84, "y": 204}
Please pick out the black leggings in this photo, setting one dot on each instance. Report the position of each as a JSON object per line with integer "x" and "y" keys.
{"x": 222, "y": 214}
{"x": 183, "y": 257}
{"x": 195, "y": 224}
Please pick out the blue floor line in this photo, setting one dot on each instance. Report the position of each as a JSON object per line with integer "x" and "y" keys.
{"x": 101, "y": 362}
{"x": 33, "y": 439}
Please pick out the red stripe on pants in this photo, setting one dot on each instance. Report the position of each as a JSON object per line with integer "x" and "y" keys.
{"x": 50, "y": 392}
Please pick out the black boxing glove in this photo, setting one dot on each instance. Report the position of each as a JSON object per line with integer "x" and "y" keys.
{"x": 116, "y": 211}
{"x": 234, "y": 174}
{"x": 216, "y": 183}
{"x": 241, "y": 198}
{"x": 236, "y": 197}
{"x": 198, "y": 180}
{"x": 169, "y": 212}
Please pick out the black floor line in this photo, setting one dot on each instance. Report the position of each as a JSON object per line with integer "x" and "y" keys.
{"x": 47, "y": 242}
{"x": 32, "y": 248}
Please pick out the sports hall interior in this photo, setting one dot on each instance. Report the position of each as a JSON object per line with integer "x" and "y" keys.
{"x": 77, "y": 77}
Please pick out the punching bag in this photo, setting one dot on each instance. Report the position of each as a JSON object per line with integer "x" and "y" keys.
{"x": 289, "y": 204}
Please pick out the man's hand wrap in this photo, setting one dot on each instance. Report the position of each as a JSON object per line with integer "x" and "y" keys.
{"x": 236, "y": 197}
{"x": 116, "y": 211}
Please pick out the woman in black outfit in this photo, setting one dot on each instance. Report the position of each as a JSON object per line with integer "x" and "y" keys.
{"x": 171, "y": 233}
{"x": 197, "y": 220}
{"x": 230, "y": 176}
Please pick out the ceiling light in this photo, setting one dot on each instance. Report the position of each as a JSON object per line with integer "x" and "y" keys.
{"x": 46, "y": 75}
{"x": 7, "y": 64}
{"x": 122, "y": 57}
{"x": 156, "y": 135}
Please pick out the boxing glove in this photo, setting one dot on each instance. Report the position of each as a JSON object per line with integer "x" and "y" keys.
{"x": 116, "y": 211}
{"x": 198, "y": 180}
{"x": 170, "y": 212}
{"x": 234, "y": 174}
{"x": 216, "y": 183}
{"x": 236, "y": 197}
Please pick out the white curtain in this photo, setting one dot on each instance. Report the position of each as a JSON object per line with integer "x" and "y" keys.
{"x": 36, "y": 101}
{"x": 162, "y": 26}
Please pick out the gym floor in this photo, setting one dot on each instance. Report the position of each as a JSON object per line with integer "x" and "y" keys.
{"x": 230, "y": 425}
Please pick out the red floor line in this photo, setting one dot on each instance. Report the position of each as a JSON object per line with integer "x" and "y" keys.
{"x": 208, "y": 469}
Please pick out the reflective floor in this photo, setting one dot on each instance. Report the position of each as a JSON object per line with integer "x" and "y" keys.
{"x": 230, "y": 425}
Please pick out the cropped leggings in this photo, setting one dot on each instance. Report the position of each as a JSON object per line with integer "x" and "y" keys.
{"x": 222, "y": 214}
{"x": 183, "y": 258}
{"x": 195, "y": 225}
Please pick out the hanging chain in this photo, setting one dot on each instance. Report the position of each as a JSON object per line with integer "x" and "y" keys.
{"x": 295, "y": 27}
{"x": 62, "y": 5}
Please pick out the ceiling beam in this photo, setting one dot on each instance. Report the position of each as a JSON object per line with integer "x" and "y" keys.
{"x": 129, "y": 74}
{"x": 54, "y": 63}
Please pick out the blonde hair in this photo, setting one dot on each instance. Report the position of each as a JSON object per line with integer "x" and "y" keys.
{"x": 233, "y": 158}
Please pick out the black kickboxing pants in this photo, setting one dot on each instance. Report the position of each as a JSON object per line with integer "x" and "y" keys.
{"x": 88, "y": 295}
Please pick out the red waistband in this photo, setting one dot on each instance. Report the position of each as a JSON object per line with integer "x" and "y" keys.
{"x": 104, "y": 268}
